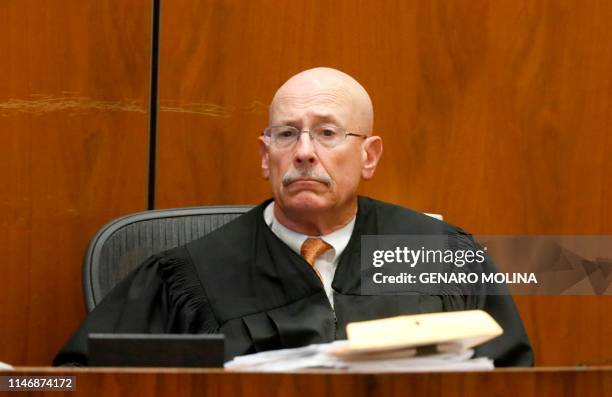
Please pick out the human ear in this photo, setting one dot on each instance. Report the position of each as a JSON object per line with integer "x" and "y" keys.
{"x": 265, "y": 158}
{"x": 371, "y": 150}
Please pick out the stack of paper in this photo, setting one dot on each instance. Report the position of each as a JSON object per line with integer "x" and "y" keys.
{"x": 425, "y": 342}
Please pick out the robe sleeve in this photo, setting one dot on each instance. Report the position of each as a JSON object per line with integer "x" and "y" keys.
{"x": 512, "y": 348}
{"x": 163, "y": 295}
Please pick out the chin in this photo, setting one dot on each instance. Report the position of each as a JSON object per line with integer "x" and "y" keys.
{"x": 306, "y": 201}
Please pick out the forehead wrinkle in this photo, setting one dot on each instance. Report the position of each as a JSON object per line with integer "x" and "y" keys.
{"x": 320, "y": 118}
{"x": 323, "y": 96}
{"x": 318, "y": 101}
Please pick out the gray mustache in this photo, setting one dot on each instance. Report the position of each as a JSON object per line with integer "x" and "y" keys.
{"x": 294, "y": 174}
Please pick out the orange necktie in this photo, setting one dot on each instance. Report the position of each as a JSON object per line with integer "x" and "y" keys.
{"x": 312, "y": 248}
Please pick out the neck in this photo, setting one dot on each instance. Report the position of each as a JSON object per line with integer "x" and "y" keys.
{"x": 316, "y": 223}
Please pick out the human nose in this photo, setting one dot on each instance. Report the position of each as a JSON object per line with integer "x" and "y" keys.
{"x": 305, "y": 150}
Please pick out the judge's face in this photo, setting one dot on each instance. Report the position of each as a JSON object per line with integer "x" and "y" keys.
{"x": 309, "y": 176}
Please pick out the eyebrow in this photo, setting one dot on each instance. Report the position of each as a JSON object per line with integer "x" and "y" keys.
{"x": 320, "y": 118}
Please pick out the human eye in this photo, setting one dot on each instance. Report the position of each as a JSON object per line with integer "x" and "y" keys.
{"x": 284, "y": 132}
{"x": 284, "y": 136}
{"x": 328, "y": 135}
{"x": 327, "y": 131}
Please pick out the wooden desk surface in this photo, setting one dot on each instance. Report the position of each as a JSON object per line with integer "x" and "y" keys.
{"x": 592, "y": 381}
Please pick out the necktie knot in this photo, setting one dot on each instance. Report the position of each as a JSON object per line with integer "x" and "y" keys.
{"x": 312, "y": 248}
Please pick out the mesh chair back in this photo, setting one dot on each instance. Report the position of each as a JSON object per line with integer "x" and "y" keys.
{"x": 124, "y": 243}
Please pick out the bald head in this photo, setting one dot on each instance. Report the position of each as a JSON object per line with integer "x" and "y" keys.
{"x": 315, "y": 183}
{"x": 318, "y": 87}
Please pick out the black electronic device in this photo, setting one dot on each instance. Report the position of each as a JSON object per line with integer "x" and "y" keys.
{"x": 156, "y": 350}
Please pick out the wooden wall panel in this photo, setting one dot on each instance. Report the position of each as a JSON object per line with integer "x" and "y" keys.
{"x": 495, "y": 114}
{"x": 189, "y": 382}
{"x": 74, "y": 85}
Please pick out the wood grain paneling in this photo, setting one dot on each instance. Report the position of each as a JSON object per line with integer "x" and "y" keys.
{"x": 495, "y": 114}
{"x": 74, "y": 82}
{"x": 111, "y": 382}
{"x": 568, "y": 330}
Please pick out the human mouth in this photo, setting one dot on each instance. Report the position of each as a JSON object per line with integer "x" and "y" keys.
{"x": 306, "y": 181}
{"x": 306, "y": 177}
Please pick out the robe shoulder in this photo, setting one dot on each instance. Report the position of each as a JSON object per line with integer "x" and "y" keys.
{"x": 393, "y": 219}
{"x": 163, "y": 295}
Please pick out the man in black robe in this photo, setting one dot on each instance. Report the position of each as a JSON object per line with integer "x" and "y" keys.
{"x": 288, "y": 272}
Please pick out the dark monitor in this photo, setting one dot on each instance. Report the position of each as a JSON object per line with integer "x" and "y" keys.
{"x": 156, "y": 350}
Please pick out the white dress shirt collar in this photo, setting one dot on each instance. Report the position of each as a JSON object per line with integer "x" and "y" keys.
{"x": 337, "y": 239}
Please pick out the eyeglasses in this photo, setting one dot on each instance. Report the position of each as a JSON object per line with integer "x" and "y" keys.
{"x": 286, "y": 136}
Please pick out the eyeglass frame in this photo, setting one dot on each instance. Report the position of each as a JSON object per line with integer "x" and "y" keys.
{"x": 313, "y": 139}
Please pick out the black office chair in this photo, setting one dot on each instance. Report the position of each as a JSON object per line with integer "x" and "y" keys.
{"x": 124, "y": 243}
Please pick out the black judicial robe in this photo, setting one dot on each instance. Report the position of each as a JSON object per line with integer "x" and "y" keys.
{"x": 244, "y": 282}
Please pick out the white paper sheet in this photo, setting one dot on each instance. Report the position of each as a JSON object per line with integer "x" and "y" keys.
{"x": 318, "y": 356}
